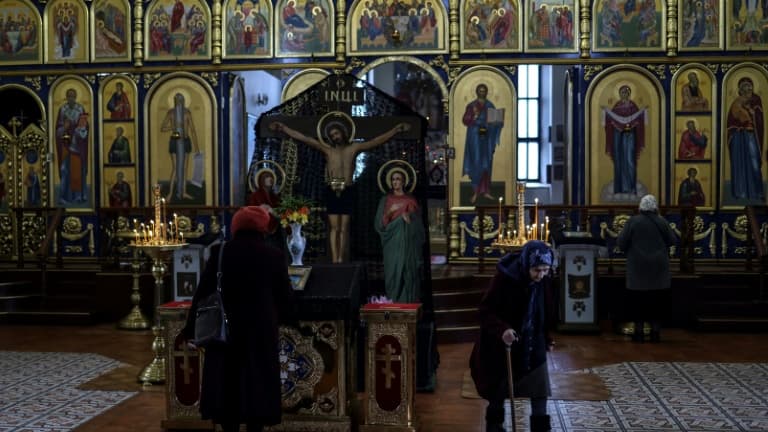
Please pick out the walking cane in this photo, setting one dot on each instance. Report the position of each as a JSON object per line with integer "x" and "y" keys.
{"x": 510, "y": 379}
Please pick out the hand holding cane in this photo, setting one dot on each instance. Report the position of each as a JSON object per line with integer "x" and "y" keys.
{"x": 510, "y": 380}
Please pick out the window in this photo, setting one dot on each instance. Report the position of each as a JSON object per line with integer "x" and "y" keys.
{"x": 528, "y": 110}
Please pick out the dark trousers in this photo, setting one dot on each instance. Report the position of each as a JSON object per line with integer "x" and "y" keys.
{"x": 647, "y": 306}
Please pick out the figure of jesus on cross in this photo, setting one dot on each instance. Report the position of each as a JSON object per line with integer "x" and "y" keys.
{"x": 335, "y": 139}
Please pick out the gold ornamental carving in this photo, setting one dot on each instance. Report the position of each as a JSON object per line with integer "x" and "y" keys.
{"x": 341, "y": 31}
{"x": 402, "y": 332}
{"x": 149, "y": 79}
{"x": 138, "y": 33}
{"x": 700, "y": 233}
{"x": 72, "y": 230}
{"x": 725, "y": 67}
{"x": 354, "y": 63}
{"x": 490, "y": 232}
{"x": 173, "y": 322}
{"x": 585, "y": 28}
{"x": 454, "y": 34}
{"x": 216, "y": 39}
{"x": 714, "y": 67}
{"x": 211, "y": 77}
{"x": 6, "y": 235}
{"x": 453, "y": 236}
{"x": 673, "y": 68}
{"x": 671, "y": 28}
{"x": 738, "y": 231}
{"x": 613, "y": 230}
{"x": 326, "y": 332}
{"x": 300, "y": 364}
{"x": 33, "y": 228}
{"x": 659, "y": 70}
{"x": 187, "y": 227}
{"x": 591, "y": 70}
{"x": 34, "y": 82}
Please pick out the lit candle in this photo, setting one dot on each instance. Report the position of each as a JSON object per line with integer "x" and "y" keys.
{"x": 541, "y": 232}
{"x": 176, "y": 224}
{"x": 535, "y": 217}
{"x": 136, "y": 232}
{"x": 501, "y": 232}
{"x": 546, "y": 228}
{"x": 162, "y": 218}
{"x": 162, "y": 233}
{"x": 181, "y": 236}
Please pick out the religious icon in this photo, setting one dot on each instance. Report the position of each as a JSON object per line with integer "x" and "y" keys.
{"x": 66, "y": 31}
{"x": 619, "y": 25}
{"x": 22, "y": 42}
{"x": 111, "y": 31}
{"x": 304, "y": 27}
{"x": 625, "y": 139}
{"x": 178, "y": 29}
{"x": 248, "y": 29}
{"x": 73, "y": 138}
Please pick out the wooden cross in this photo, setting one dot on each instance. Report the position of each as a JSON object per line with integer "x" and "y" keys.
{"x": 185, "y": 366}
{"x": 388, "y": 358}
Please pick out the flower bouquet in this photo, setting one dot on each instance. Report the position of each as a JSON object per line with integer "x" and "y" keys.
{"x": 294, "y": 210}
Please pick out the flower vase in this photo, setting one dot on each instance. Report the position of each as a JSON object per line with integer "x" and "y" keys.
{"x": 296, "y": 244}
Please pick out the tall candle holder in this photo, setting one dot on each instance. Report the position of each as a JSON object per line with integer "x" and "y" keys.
{"x": 518, "y": 238}
{"x": 159, "y": 243}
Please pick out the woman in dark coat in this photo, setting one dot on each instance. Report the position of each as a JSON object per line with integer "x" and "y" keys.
{"x": 516, "y": 310}
{"x": 646, "y": 239}
{"x": 241, "y": 380}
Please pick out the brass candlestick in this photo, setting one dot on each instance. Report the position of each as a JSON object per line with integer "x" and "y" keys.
{"x": 514, "y": 242}
{"x": 135, "y": 320}
{"x": 157, "y": 244}
{"x": 155, "y": 372}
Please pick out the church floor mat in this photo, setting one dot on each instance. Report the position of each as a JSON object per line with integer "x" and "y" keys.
{"x": 665, "y": 396}
{"x": 40, "y": 390}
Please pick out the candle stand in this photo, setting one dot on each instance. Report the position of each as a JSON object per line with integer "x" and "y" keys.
{"x": 154, "y": 373}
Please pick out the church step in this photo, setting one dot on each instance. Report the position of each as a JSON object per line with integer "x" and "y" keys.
{"x": 732, "y": 323}
{"x": 457, "y": 299}
{"x": 736, "y": 308}
{"x": 456, "y": 317}
{"x": 12, "y": 303}
{"x": 46, "y": 318}
{"x": 17, "y": 288}
{"x": 460, "y": 334}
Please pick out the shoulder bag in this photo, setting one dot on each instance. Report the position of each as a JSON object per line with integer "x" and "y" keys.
{"x": 211, "y": 325}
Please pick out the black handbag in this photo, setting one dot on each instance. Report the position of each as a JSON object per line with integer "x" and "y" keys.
{"x": 211, "y": 325}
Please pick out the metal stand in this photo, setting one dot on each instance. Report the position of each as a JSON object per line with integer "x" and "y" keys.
{"x": 135, "y": 320}
{"x": 155, "y": 371}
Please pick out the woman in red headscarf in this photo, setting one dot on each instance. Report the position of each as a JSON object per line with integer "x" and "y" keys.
{"x": 241, "y": 380}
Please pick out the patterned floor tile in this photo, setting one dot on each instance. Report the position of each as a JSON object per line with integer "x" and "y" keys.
{"x": 40, "y": 391}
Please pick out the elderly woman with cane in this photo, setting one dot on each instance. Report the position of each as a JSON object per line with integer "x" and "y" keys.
{"x": 515, "y": 314}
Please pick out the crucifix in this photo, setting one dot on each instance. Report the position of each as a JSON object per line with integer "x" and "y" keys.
{"x": 340, "y": 138}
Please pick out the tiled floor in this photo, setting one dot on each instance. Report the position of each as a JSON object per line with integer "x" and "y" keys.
{"x": 676, "y": 384}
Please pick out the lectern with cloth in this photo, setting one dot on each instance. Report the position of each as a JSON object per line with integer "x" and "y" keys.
{"x": 317, "y": 357}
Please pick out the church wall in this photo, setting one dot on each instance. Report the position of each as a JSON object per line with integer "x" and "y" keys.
{"x": 47, "y": 47}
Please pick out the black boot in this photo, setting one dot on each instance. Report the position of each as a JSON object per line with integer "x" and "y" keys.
{"x": 494, "y": 427}
{"x": 540, "y": 423}
{"x": 638, "y": 334}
